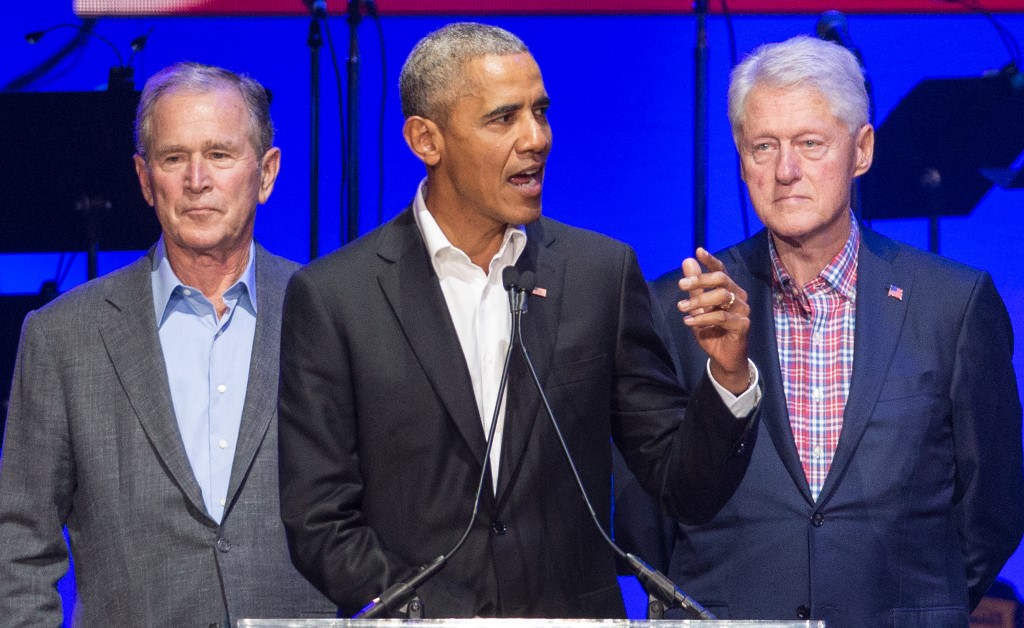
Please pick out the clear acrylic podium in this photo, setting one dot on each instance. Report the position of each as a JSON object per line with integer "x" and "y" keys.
{"x": 523, "y": 623}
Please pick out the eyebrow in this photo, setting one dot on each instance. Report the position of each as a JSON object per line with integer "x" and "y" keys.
{"x": 208, "y": 145}
{"x": 543, "y": 101}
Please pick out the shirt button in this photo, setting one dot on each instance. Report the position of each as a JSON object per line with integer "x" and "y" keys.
{"x": 818, "y": 452}
{"x": 187, "y": 292}
{"x": 224, "y": 545}
{"x": 817, "y": 338}
{"x": 223, "y": 501}
{"x": 816, "y": 394}
{"x": 223, "y": 444}
{"x": 222, "y": 388}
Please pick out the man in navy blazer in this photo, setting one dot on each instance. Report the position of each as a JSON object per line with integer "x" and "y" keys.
{"x": 392, "y": 352}
{"x": 885, "y": 488}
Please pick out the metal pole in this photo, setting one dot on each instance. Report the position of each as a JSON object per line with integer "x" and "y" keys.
{"x": 314, "y": 42}
{"x": 355, "y": 15}
{"x": 700, "y": 128}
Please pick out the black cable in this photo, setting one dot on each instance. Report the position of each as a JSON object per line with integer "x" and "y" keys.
{"x": 341, "y": 125}
{"x": 733, "y": 60}
{"x": 44, "y": 68}
{"x": 372, "y": 8}
{"x": 1009, "y": 41}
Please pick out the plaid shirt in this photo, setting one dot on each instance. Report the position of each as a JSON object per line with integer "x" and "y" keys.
{"x": 814, "y": 331}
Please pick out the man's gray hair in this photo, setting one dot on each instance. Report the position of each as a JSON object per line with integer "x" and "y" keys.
{"x": 802, "y": 61}
{"x": 427, "y": 84}
{"x": 201, "y": 79}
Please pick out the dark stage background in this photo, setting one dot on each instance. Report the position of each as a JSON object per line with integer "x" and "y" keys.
{"x": 622, "y": 115}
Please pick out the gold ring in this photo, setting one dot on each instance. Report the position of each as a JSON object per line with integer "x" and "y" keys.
{"x": 732, "y": 300}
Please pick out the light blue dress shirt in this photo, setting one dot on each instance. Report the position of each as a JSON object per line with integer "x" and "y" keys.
{"x": 207, "y": 361}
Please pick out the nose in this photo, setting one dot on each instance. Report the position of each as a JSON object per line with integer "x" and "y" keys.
{"x": 534, "y": 136}
{"x": 197, "y": 175}
{"x": 787, "y": 169}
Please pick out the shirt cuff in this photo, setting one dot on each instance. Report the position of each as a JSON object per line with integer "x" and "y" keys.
{"x": 742, "y": 405}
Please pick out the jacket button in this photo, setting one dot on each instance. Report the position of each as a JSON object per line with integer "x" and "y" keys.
{"x": 498, "y": 527}
{"x": 817, "y": 520}
{"x": 224, "y": 545}
{"x": 802, "y": 612}
{"x": 740, "y": 449}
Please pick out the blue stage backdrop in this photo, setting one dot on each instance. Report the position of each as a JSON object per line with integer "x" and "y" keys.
{"x": 622, "y": 115}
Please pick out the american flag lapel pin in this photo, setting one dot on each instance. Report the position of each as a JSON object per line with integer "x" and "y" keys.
{"x": 540, "y": 292}
{"x": 895, "y": 292}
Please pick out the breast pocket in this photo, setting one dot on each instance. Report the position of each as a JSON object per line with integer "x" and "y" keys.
{"x": 578, "y": 371}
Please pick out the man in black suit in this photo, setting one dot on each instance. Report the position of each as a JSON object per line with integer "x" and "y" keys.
{"x": 392, "y": 355}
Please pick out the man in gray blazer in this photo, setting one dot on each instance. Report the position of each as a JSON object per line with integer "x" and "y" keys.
{"x": 143, "y": 410}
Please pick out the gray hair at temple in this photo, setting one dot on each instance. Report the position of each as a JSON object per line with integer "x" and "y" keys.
{"x": 428, "y": 81}
{"x": 802, "y": 61}
{"x": 201, "y": 79}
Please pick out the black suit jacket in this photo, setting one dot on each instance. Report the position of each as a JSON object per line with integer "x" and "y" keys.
{"x": 382, "y": 445}
{"x": 924, "y": 500}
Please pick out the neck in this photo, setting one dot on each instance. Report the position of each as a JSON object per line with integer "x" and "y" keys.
{"x": 478, "y": 237}
{"x": 212, "y": 273}
{"x": 805, "y": 259}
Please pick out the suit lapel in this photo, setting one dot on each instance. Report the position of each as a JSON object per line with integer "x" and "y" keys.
{"x": 879, "y": 320}
{"x": 540, "y": 331}
{"x": 408, "y": 281}
{"x": 261, "y": 389}
{"x": 130, "y": 337}
{"x": 764, "y": 352}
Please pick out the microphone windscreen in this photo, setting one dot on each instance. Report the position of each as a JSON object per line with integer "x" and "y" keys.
{"x": 832, "y": 26}
{"x": 527, "y": 281}
{"x": 510, "y": 277}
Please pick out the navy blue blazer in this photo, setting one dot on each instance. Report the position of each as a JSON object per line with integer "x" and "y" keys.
{"x": 924, "y": 501}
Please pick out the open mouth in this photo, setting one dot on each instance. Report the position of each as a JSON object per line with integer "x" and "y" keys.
{"x": 527, "y": 180}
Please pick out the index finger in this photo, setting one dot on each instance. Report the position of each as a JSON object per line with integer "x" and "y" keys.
{"x": 709, "y": 260}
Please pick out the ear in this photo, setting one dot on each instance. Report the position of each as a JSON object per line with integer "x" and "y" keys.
{"x": 144, "y": 181}
{"x": 269, "y": 167}
{"x": 424, "y": 139}
{"x": 865, "y": 141}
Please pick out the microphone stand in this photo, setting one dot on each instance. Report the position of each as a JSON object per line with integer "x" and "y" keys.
{"x": 661, "y": 591}
{"x": 700, "y": 127}
{"x": 318, "y": 11}
{"x": 355, "y": 16}
{"x": 404, "y": 593}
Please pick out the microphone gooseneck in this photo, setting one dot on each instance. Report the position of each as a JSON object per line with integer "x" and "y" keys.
{"x": 656, "y": 583}
{"x": 399, "y": 594}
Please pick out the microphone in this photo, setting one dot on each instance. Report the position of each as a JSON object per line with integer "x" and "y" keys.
{"x": 401, "y": 593}
{"x": 122, "y": 76}
{"x": 518, "y": 286}
{"x": 655, "y": 583}
{"x": 317, "y": 8}
{"x": 832, "y": 26}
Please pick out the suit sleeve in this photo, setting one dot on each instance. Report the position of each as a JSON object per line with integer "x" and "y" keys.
{"x": 321, "y": 484}
{"x": 693, "y": 465}
{"x": 987, "y": 431}
{"x": 36, "y": 487}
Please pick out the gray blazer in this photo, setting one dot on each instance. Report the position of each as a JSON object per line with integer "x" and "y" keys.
{"x": 92, "y": 444}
